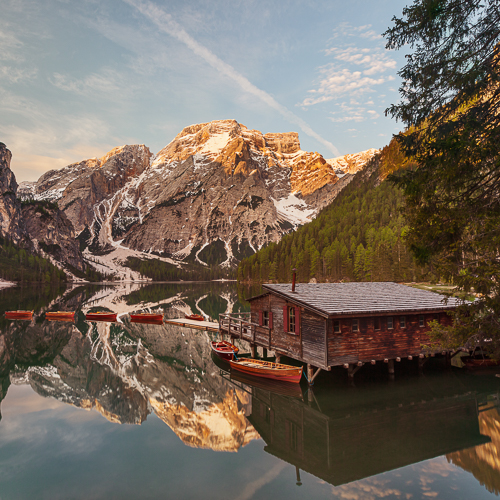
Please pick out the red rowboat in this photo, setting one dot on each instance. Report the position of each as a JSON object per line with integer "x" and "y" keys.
{"x": 150, "y": 318}
{"x": 100, "y": 316}
{"x": 224, "y": 350}
{"x": 19, "y": 315}
{"x": 60, "y": 316}
{"x": 267, "y": 369}
{"x": 197, "y": 317}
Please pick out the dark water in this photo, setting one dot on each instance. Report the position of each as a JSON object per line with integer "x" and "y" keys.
{"x": 99, "y": 410}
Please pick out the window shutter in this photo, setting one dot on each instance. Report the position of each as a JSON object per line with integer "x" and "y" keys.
{"x": 261, "y": 318}
{"x": 297, "y": 320}
{"x": 270, "y": 319}
{"x": 285, "y": 318}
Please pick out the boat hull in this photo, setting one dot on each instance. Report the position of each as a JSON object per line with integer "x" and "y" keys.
{"x": 224, "y": 350}
{"x": 60, "y": 316}
{"x": 151, "y": 319}
{"x": 266, "y": 369}
{"x": 196, "y": 317}
{"x": 100, "y": 316}
{"x": 26, "y": 315}
{"x": 474, "y": 363}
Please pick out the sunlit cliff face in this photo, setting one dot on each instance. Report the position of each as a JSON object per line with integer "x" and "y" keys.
{"x": 483, "y": 461}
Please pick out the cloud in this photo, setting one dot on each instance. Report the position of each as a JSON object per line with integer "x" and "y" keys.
{"x": 251, "y": 488}
{"x": 106, "y": 82}
{"x": 374, "y": 60}
{"x": 165, "y": 23}
{"x": 355, "y": 70}
{"x": 349, "y": 113}
{"x": 17, "y": 75}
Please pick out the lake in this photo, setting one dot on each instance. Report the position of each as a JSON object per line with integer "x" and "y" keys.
{"x": 124, "y": 410}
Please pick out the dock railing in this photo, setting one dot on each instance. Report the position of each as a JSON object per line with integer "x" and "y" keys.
{"x": 239, "y": 325}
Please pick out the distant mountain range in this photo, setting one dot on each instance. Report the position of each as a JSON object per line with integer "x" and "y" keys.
{"x": 216, "y": 194}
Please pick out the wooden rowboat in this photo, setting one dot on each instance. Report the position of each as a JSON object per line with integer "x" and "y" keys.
{"x": 267, "y": 369}
{"x": 100, "y": 316}
{"x": 60, "y": 316}
{"x": 149, "y": 318}
{"x": 196, "y": 317}
{"x": 479, "y": 362}
{"x": 224, "y": 350}
{"x": 19, "y": 315}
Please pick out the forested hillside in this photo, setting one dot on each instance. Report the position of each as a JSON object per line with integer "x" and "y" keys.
{"x": 18, "y": 264}
{"x": 359, "y": 237}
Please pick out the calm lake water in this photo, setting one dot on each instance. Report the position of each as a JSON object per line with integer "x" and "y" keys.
{"x": 123, "y": 410}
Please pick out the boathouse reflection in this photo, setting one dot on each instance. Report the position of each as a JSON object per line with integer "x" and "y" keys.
{"x": 339, "y": 441}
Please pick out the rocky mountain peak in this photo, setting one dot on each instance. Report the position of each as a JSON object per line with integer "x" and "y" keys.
{"x": 10, "y": 208}
{"x": 217, "y": 192}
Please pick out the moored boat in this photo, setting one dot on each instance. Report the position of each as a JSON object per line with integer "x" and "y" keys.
{"x": 100, "y": 316}
{"x": 150, "y": 318}
{"x": 224, "y": 349}
{"x": 267, "y": 369}
{"x": 472, "y": 363}
{"x": 19, "y": 315}
{"x": 60, "y": 315}
{"x": 196, "y": 317}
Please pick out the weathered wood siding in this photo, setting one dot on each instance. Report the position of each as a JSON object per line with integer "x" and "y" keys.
{"x": 343, "y": 346}
{"x": 369, "y": 344}
{"x": 313, "y": 329}
{"x": 346, "y": 346}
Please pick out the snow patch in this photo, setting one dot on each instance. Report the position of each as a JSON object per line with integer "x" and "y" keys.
{"x": 294, "y": 210}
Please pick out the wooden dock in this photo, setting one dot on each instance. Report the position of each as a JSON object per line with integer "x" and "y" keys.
{"x": 207, "y": 326}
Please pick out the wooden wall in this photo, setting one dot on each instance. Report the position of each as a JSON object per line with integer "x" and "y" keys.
{"x": 347, "y": 346}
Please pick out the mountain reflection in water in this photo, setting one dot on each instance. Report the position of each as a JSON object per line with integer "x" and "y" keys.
{"x": 342, "y": 435}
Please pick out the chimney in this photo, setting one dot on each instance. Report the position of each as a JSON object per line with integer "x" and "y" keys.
{"x": 293, "y": 279}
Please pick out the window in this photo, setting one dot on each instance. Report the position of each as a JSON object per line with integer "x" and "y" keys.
{"x": 389, "y": 323}
{"x": 421, "y": 320}
{"x": 291, "y": 319}
{"x": 265, "y": 318}
{"x": 402, "y": 322}
{"x": 336, "y": 326}
{"x": 436, "y": 317}
{"x": 376, "y": 323}
{"x": 355, "y": 325}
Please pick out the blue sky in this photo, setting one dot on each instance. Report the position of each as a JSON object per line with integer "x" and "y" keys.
{"x": 78, "y": 78}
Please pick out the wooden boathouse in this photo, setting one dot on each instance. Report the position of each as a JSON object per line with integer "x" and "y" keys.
{"x": 341, "y": 324}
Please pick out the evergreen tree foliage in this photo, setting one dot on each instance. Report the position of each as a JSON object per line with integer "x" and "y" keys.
{"x": 18, "y": 264}
{"x": 451, "y": 106}
{"x": 359, "y": 237}
{"x": 159, "y": 270}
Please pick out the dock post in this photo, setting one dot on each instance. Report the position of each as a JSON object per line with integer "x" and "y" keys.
{"x": 390, "y": 366}
{"x": 253, "y": 350}
{"x": 421, "y": 361}
{"x": 310, "y": 373}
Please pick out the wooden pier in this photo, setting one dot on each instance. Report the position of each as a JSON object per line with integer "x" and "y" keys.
{"x": 341, "y": 324}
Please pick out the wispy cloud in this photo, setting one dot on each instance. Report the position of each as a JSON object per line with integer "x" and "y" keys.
{"x": 107, "y": 82}
{"x": 355, "y": 71}
{"x": 165, "y": 23}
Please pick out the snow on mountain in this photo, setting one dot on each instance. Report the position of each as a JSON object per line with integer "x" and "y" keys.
{"x": 217, "y": 187}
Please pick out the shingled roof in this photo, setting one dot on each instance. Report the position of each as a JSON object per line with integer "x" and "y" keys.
{"x": 362, "y": 298}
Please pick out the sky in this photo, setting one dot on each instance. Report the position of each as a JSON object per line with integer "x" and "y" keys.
{"x": 80, "y": 77}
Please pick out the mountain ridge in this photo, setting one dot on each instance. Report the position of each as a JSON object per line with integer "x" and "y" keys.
{"x": 218, "y": 189}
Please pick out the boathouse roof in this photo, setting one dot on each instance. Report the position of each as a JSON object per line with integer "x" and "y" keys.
{"x": 362, "y": 298}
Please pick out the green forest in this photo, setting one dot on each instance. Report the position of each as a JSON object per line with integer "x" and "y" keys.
{"x": 18, "y": 264}
{"x": 359, "y": 237}
{"x": 159, "y": 270}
